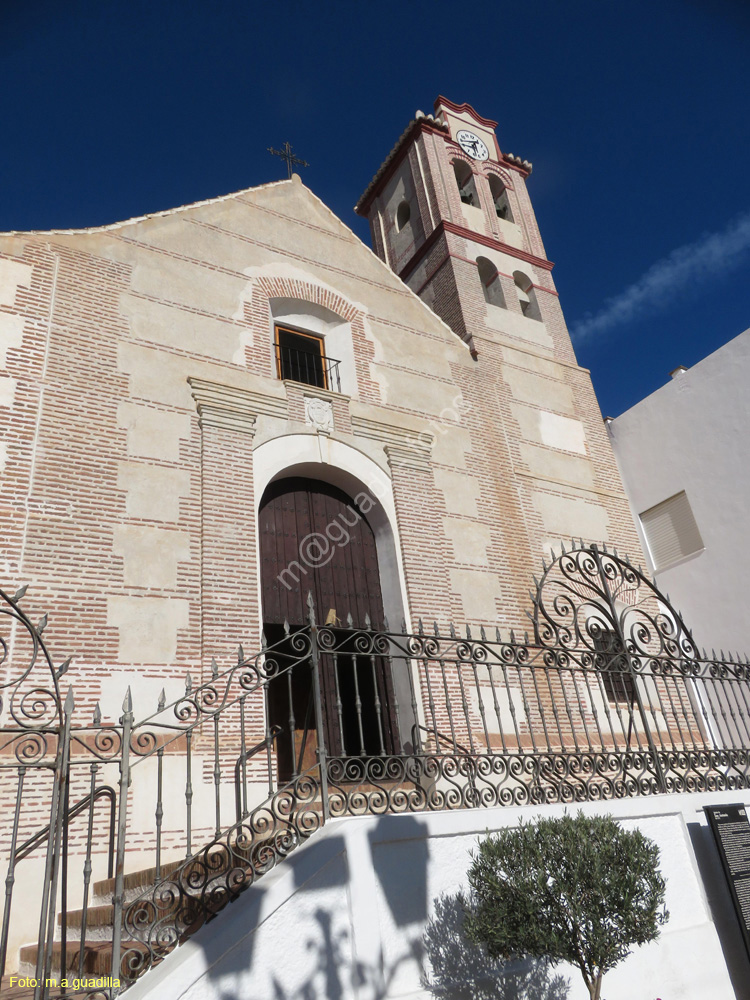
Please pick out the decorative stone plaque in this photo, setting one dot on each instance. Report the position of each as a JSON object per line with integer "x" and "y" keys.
{"x": 319, "y": 414}
{"x": 731, "y": 830}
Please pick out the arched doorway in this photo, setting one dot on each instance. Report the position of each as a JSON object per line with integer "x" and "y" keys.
{"x": 313, "y": 540}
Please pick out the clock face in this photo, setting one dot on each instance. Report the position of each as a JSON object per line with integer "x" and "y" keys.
{"x": 472, "y": 145}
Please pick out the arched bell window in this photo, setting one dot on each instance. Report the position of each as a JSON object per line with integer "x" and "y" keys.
{"x": 490, "y": 279}
{"x": 526, "y": 295}
{"x": 500, "y": 198}
{"x": 465, "y": 181}
{"x": 403, "y": 214}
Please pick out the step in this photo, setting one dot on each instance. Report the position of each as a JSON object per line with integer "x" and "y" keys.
{"x": 134, "y": 883}
{"x": 97, "y": 958}
{"x": 99, "y": 920}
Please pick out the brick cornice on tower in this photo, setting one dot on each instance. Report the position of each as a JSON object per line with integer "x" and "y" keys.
{"x": 464, "y": 108}
{"x": 451, "y": 227}
{"x": 391, "y": 163}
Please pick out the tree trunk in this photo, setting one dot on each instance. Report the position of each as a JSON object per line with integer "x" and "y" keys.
{"x": 595, "y": 989}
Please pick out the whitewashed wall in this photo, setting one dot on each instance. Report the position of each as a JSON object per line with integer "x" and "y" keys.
{"x": 348, "y": 917}
{"x": 692, "y": 435}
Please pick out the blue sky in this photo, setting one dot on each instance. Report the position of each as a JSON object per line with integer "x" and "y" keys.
{"x": 634, "y": 114}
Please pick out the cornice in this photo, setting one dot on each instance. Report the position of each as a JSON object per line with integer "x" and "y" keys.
{"x": 408, "y": 458}
{"x": 468, "y": 234}
{"x": 464, "y": 109}
{"x": 403, "y": 447}
{"x": 233, "y": 408}
{"x": 421, "y": 123}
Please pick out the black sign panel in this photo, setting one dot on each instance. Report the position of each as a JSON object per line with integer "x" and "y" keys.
{"x": 731, "y": 830}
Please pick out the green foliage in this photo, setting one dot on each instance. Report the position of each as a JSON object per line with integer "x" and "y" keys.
{"x": 576, "y": 889}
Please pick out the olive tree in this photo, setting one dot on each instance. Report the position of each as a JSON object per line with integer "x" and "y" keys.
{"x": 578, "y": 889}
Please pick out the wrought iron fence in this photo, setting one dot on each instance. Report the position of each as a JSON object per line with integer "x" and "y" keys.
{"x": 606, "y": 696}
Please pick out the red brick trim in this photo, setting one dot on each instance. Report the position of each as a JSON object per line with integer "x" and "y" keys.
{"x": 462, "y": 108}
{"x": 400, "y": 152}
{"x": 468, "y": 234}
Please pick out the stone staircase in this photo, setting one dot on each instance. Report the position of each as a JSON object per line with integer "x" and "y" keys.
{"x": 247, "y": 863}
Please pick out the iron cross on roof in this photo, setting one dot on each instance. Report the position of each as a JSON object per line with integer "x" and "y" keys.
{"x": 289, "y": 156}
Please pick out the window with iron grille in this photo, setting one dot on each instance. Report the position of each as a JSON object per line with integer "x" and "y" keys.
{"x": 300, "y": 357}
{"x": 615, "y": 673}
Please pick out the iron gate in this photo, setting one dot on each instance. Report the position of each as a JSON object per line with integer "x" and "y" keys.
{"x": 606, "y": 696}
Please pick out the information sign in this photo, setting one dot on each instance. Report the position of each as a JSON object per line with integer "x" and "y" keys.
{"x": 731, "y": 830}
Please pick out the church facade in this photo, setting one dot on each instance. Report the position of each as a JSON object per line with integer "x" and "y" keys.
{"x": 170, "y": 380}
{"x": 291, "y": 494}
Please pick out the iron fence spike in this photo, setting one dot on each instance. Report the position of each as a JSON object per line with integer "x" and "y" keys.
{"x": 127, "y": 705}
{"x": 263, "y": 640}
{"x": 604, "y": 547}
{"x": 435, "y": 628}
{"x": 468, "y": 632}
{"x": 162, "y": 700}
{"x": 562, "y": 546}
{"x": 188, "y": 683}
{"x": 497, "y": 635}
{"x": 97, "y": 714}
{"x": 614, "y": 552}
{"x": 722, "y": 653}
{"x": 420, "y": 629}
{"x": 403, "y": 626}
{"x": 713, "y": 654}
{"x": 20, "y": 593}
{"x": 482, "y": 633}
{"x": 368, "y": 623}
{"x": 386, "y": 626}
{"x": 349, "y": 620}
{"x": 310, "y": 608}
{"x": 525, "y": 638}
{"x": 544, "y": 564}
{"x": 452, "y": 630}
{"x": 287, "y": 628}
{"x": 63, "y": 668}
{"x": 512, "y": 637}
{"x": 240, "y": 653}
{"x": 214, "y": 669}
{"x": 42, "y": 624}
{"x": 70, "y": 702}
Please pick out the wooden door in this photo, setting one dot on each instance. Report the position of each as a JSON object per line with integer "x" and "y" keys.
{"x": 314, "y": 540}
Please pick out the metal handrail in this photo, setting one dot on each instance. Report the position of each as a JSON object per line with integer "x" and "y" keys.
{"x": 438, "y": 736}
{"x": 242, "y": 760}
{"x": 104, "y": 791}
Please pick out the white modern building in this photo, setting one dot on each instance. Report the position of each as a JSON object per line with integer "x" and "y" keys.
{"x": 684, "y": 455}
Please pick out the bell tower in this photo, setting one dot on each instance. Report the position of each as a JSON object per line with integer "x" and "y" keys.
{"x": 449, "y": 212}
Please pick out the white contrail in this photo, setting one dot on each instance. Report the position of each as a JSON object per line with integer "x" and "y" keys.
{"x": 689, "y": 265}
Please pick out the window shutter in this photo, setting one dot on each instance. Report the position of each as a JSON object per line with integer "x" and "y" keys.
{"x": 671, "y": 531}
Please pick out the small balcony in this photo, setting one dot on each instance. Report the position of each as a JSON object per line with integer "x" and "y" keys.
{"x": 301, "y": 359}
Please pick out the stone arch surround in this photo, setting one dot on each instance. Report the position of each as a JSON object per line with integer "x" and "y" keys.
{"x": 352, "y": 471}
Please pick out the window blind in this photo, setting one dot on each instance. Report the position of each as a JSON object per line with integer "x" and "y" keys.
{"x": 671, "y": 531}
